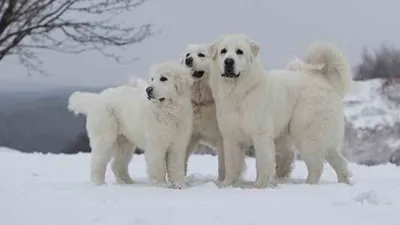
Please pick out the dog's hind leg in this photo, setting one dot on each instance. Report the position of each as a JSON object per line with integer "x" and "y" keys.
{"x": 339, "y": 164}
{"x": 285, "y": 156}
{"x": 313, "y": 155}
{"x": 101, "y": 127}
{"x": 122, "y": 157}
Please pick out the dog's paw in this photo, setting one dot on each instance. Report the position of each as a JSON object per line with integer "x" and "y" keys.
{"x": 160, "y": 184}
{"x": 125, "y": 180}
{"x": 262, "y": 184}
{"x": 225, "y": 184}
{"x": 178, "y": 185}
{"x": 98, "y": 182}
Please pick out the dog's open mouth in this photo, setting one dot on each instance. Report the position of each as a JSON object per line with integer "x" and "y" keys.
{"x": 150, "y": 97}
{"x": 230, "y": 75}
{"x": 198, "y": 74}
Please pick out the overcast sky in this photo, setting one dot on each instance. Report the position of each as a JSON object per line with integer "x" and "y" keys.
{"x": 283, "y": 28}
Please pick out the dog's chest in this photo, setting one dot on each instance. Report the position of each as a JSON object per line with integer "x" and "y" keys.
{"x": 205, "y": 122}
{"x": 231, "y": 115}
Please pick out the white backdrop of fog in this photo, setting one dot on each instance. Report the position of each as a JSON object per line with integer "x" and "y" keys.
{"x": 283, "y": 28}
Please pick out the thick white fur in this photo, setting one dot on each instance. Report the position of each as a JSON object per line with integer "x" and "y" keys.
{"x": 122, "y": 118}
{"x": 205, "y": 126}
{"x": 303, "y": 106}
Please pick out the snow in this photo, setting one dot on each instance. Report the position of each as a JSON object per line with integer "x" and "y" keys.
{"x": 367, "y": 109}
{"x": 55, "y": 189}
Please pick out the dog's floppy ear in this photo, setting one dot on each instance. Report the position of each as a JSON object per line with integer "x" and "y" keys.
{"x": 255, "y": 48}
{"x": 181, "y": 58}
{"x": 212, "y": 50}
{"x": 183, "y": 81}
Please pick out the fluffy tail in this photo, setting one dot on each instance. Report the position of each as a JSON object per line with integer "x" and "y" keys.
{"x": 326, "y": 59}
{"x": 82, "y": 102}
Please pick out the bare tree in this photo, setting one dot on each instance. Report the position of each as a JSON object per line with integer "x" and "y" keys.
{"x": 67, "y": 26}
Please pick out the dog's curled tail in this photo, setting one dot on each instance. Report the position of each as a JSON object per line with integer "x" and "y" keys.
{"x": 82, "y": 102}
{"x": 326, "y": 59}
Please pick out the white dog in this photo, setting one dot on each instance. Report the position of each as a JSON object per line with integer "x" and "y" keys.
{"x": 256, "y": 107}
{"x": 120, "y": 119}
{"x": 205, "y": 126}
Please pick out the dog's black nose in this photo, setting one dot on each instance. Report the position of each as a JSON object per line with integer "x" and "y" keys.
{"x": 149, "y": 90}
{"x": 229, "y": 62}
{"x": 189, "y": 61}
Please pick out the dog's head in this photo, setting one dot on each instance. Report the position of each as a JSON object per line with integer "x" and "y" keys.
{"x": 197, "y": 57}
{"x": 233, "y": 54}
{"x": 168, "y": 81}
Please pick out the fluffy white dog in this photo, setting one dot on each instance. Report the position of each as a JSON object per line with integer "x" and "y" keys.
{"x": 122, "y": 118}
{"x": 303, "y": 105}
{"x": 205, "y": 127}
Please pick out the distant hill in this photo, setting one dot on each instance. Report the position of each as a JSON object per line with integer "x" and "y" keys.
{"x": 38, "y": 121}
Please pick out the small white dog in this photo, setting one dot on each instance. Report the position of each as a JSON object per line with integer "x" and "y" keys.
{"x": 157, "y": 118}
{"x": 255, "y": 107}
{"x": 205, "y": 127}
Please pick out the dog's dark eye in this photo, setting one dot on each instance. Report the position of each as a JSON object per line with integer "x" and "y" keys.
{"x": 223, "y": 51}
{"x": 187, "y": 54}
{"x": 152, "y": 79}
{"x": 239, "y": 52}
{"x": 201, "y": 55}
{"x": 162, "y": 79}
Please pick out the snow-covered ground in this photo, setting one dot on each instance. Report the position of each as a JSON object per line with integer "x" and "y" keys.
{"x": 55, "y": 189}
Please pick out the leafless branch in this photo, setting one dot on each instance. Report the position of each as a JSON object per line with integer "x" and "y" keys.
{"x": 67, "y": 26}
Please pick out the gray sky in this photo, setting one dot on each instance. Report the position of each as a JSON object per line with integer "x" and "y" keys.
{"x": 283, "y": 28}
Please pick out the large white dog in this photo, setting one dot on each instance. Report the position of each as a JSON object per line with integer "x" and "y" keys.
{"x": 303, "y": 105}
{"x": 122, "y": 118}
{"x": 205, "y": 127}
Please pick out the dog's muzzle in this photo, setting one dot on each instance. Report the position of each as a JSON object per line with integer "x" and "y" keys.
{"x": 189, "y": 61}
{"x": 229, "y": 69}
{"x": 149, "y": 91}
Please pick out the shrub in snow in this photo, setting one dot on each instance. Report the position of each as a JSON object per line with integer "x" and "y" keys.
{"x": 381, "y": 63}
{"x": 395, "y": 157}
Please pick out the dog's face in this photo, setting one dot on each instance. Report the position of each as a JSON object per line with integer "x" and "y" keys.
{"x": 198, "y": 58}
{"x": 234, "y": 54}
{"x": 168, "y": 81}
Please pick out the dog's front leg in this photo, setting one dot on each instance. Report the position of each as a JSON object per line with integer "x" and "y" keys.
{"x": 232, "y": 150}
{"x": 194, "y": 140}
{"x": 176, "y": 161}
{"x": 264, "y": 147}
{"x": 155, "y": 160}
{"x": 221, "y": 160}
